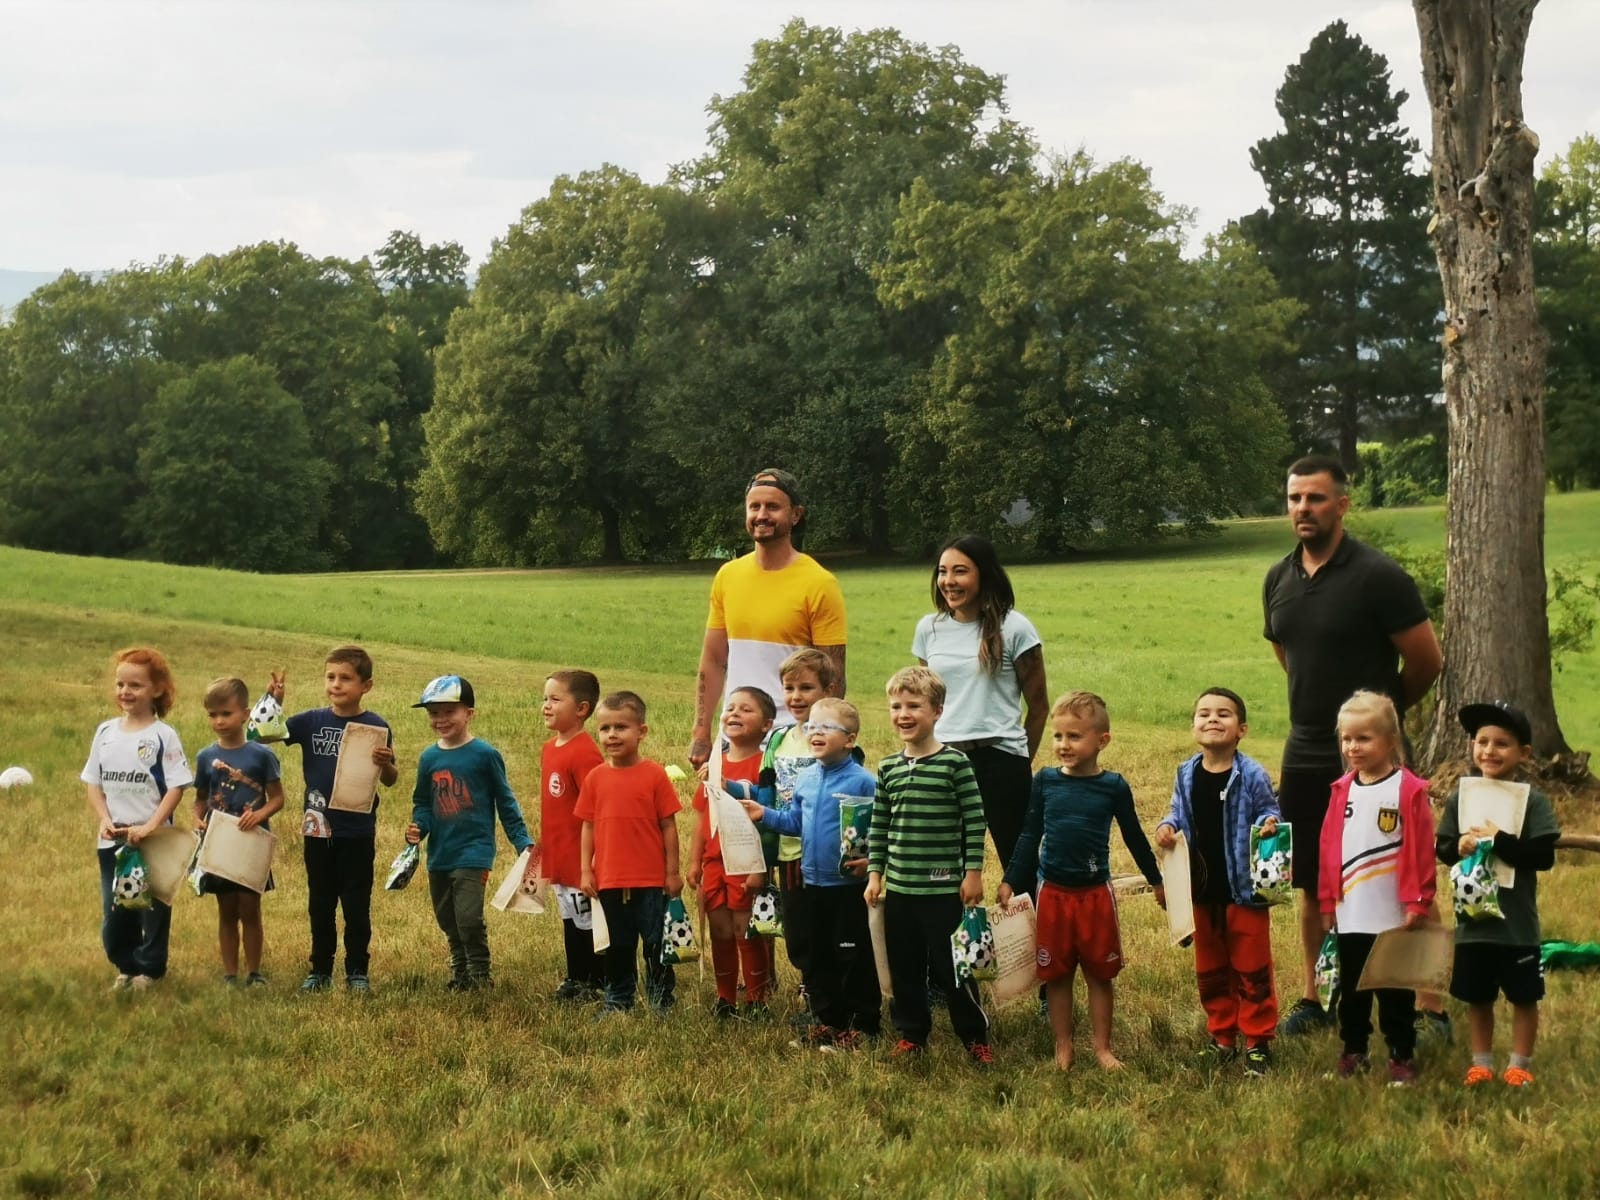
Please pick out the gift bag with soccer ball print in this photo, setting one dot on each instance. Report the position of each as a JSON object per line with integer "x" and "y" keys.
{"x": 677, "y": 935}
{"x": 1271, "y": 864}
{"x": 766, "y": 914}
{"x": 1475, "y": 886}
{"x": 972, "y": 948}
{"x": 130, "y": 886}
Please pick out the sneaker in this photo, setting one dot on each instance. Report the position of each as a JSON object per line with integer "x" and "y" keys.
{"x": 725, "y": 1010}
{"x": 316, "y": 982}
{"x": 570, "y": 991}
{"x": 755, "y": 1010}
{"x": 1433, "y": 1028}
{"x": 121, "y": 983}
{"x": 1349, "y": 1065}
{"x": 1518, "y": 1077}
{"x": 1307, "y": 1016}
{"x": 142, "y": 983}
{"x": 1216, "y": 1054}
{"x": 1257, "y": 1059}
{"x": 905, "y": 1049}
{"x": 844, "y": 1042}
{"x": 255, "y": 980}
{"x": 981, "y": 1054}
{"x": 816, "y": 1035}
{"x": 357, "y": 985}
{"x": 1477, "y": 1075}
{"x": 1402, "y": 1072}
{"x": 230, "y": 981}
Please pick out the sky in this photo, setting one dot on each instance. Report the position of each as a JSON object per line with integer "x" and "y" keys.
{"x": 132, "y": 130}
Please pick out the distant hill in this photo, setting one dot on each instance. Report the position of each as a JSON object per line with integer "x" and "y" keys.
{"x": 18, "y": 285}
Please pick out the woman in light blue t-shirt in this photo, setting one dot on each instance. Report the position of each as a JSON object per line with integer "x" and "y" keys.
{"x": 992, "y": 663}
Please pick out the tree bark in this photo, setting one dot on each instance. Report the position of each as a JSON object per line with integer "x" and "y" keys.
{"x": 1497, "y": 635}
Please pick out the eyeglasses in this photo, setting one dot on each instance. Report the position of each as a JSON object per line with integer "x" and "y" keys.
{"x": 824, "y": 727}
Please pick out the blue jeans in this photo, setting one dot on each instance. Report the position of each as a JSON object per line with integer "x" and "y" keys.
{"x": 635, "y": 917}
{"x": 135, "y": 938}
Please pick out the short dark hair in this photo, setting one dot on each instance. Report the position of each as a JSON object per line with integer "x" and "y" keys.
{"x": 1226, "y": 694}
{"x": 630, "y": 702}
{"x": 1320, "y": 464}
{"x": 353, "y": 657}
{"x": 764, "y": 702}
{"x": 582, "y": 685}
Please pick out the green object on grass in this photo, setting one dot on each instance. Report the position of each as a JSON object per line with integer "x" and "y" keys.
{"x": 1569, "y": 956}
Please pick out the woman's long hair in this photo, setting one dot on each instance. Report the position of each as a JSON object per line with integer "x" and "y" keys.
{"x": 995, "y": 595}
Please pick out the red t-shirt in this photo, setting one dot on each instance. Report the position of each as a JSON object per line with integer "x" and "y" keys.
{"x": 627, "y": 806}
{"x": 748, "y": 769}
{"x": 564, "y": 769}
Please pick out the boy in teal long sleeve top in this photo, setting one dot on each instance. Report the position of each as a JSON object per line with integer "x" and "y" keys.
{"x": 461, "y": 784}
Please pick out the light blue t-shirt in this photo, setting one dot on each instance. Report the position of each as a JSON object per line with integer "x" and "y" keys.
{"x": 977, "y": 704}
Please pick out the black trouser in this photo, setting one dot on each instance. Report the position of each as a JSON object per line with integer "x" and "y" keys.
{"x": 843, "y": 981}
{"x": 635, "y": 918}
{"x": 1397, "y": 1007}
{"x": 918, "y": 929}
{"x": 1005, "y": 781}
{"x": 797, "y": 931}
{"x": 339, "y": 875}
{"x": 583, "y": 964}
{"x": 135, "y": 938}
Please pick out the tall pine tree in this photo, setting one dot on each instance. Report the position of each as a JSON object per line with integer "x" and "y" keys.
{"x": 1345, "y": 233}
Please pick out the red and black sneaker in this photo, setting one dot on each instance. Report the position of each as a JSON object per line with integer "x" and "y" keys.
{"x": 981, "y": 1054}
{"x": 905, "y": 1049}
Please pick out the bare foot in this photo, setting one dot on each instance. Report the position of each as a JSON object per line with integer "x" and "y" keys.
{"x": 1064, "y": 1059}
{"x": 1107, "y": 1060}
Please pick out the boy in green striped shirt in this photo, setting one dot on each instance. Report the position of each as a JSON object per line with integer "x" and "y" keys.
{"x": 924, "y": 864}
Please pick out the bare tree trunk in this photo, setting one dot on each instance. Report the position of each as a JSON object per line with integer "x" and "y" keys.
{"x": 1497, "y": 636}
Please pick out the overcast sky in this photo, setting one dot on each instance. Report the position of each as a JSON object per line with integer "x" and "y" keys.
{"x": 131, "y": 130}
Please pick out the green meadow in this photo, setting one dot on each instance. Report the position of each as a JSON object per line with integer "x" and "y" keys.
{"x": 190, "y": 1090}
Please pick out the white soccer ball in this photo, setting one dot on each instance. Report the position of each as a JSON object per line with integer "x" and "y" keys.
{"x": 765, "y": 909}
{"x": 680, "y": 933}
{"x": 1470, "y": 894}
{"x": 13, "y": 777}
{"x": 130, "y": 886}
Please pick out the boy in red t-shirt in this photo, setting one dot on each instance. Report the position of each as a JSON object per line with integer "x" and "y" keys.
{"x": 569, "y": 700}
{"x": 727, "y": 900}
{"x": 628, "y": 853}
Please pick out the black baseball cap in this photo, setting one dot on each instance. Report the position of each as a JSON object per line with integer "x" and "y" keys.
{"x": 1497, "y": 712}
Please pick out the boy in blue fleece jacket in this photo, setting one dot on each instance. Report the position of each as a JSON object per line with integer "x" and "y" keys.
{"x": 1219, "y": 795}
{"x": 842, "y": 979}
{"x": 461, "y": 784}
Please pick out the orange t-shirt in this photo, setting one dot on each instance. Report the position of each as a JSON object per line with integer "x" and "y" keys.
{"x": 627, "y": 806}
{"x": 748, "y": 769}
{"x": 564, "y": 769}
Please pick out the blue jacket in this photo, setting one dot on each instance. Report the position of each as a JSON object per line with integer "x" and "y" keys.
{"x": 814, "y": 816}
{"x": 1247, "y": 800}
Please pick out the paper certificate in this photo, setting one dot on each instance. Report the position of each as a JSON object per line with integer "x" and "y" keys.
{"x": 1416, "y": 959}
{"x": 355, "y": 776}
{"x": 241, "y": 855}
{"x": 1016, "y": 950}
{"x": 1500, "y": 803}
{"x": 741, "y": 841}
{"x": 516, "y": 895}
{"x": 601, "y": 931}
{"x": 1180, "y": 896}
{"x": 167, "y": 854}
{"x": 880, "y": 949}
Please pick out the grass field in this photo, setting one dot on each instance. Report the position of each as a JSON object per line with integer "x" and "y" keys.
{"x": 192, "y": 1091}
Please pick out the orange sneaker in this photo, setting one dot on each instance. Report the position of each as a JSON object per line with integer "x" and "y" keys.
{"x": 1518, "y": 1077}
{"x": 1477, "y": 1075}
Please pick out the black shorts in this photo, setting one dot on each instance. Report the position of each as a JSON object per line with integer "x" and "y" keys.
{"x": 1303, "y": 801}
{"x": 1485, "y": 970}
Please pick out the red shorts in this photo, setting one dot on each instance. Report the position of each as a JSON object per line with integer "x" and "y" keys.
{"x": 718, "y": 889}
{"x": 1077, "y": 927}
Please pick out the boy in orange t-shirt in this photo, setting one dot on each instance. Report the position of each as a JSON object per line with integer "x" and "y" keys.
{"x": 628, "y": 853}
{"x": 570, "y": 697}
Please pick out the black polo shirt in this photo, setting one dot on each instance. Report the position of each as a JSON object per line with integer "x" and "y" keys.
{"x": 1335, "y": 629}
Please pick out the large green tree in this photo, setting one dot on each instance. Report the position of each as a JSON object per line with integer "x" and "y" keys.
{"x": 1093, "y": 374}
{"x": 808, "y": 162}
{"x": 534, "y": 447}
{"x": 1566, "y": 256}
{"x": 1344, "y": 232}
{"x": 228, "y": 472}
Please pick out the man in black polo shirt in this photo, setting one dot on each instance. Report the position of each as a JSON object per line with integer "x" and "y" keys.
{"x": 1341, "y": 617}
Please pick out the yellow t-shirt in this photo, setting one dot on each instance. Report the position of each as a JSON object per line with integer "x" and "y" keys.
{"x": 769, "y": 615}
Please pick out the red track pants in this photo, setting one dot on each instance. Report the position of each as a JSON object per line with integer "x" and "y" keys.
{"x": 1233, "y": 963}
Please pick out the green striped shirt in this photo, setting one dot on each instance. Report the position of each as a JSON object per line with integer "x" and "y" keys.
{"x": 927, "y": 830}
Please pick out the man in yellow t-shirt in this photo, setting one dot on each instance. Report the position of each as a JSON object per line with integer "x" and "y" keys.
{"x": 764, "y": 606}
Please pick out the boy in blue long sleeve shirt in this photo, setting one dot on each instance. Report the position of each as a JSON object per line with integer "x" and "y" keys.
{"x": 461, "y": 784}
{"x": 842, "y": 978}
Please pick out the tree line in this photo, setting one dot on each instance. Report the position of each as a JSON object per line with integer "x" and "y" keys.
{"x": 872, "y": 275}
